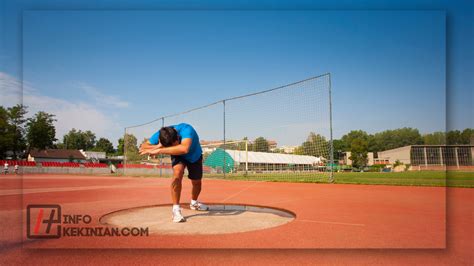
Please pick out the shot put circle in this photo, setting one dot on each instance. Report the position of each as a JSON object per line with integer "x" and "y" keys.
{"x": 219, "y": 219}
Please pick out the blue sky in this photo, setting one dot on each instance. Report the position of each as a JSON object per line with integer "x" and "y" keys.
{"x": 104, "y": 70}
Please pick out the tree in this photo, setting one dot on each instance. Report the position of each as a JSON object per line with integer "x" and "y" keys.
{"x": 261, "y": 145}
{"x": 359, "y": 149}
{"x": 104, "y": 145}
{"x": 79, "y": 140}
{"x": 16, "y": 121}
{"x": 435, "y": 138}
{"x": 41, "y": 131}
{"x": 357, "y": 142}
{"x": 4, "y": 129}
{"x": 391, "y": 139}
{"x": 339, "y": 146}
{"x": 453, "y": 137}
{"x": 353, "y": 135}
{"x": 467, "y": 136}
{"x": 120, "y": 146}
{"x": 241, "y": 145}
{"x": 315, "y": 145}
{"x": 130, "y": 148}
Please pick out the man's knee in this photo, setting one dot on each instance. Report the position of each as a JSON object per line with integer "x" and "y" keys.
{"x": 178, "y": 171}
{"x": 196, "y": 182}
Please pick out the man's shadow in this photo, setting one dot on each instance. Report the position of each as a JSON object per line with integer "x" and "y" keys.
{"x": 217, "y": 213}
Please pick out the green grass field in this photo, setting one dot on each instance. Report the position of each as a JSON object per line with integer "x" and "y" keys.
{"x": 414, "y": 178}
{"x": 422, "y": 178}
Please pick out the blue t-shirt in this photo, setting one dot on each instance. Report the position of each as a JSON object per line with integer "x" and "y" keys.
{"x": 185, "y": 131}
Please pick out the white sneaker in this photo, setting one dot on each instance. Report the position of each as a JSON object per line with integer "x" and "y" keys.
{"x": 178, "y": 217}
{"x": 198, "y": 206}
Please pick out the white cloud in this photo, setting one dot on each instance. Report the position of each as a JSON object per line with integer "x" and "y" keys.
{"x": 102, "y": 99}
{"x": 69, "y": 114}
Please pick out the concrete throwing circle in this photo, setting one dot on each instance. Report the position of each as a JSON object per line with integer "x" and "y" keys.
{"x": 220, "y": 219}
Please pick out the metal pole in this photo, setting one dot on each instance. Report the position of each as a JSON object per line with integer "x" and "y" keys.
{"x": 124, "y": 151}
{"x": 441, "y": 156}
{"x": 224, "y": 166}
{"x": 331, "y": 146}
{"x": 246, "y": 157}
{"x": 161, "y": 155}
{"x": 426, "y": 158}
{"x": 456, "y": 156}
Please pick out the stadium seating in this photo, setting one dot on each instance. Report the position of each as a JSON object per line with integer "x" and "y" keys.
{"x": 60, "y": 164}
{"x": 146, "y": 166}
{"x": 95, "y": 165}
{"x": 17, "y": 162}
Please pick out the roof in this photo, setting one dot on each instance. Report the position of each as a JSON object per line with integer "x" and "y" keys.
{"x": 94, "y": 154}
{"x": 427, "y": 146}
{"x": 266, "y": 157}
{"x": 57, "y": 154}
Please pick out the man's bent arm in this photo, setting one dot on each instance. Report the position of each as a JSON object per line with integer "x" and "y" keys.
{"x": 180, "y": 149}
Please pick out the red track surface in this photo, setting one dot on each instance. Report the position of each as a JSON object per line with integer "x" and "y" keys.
{"x": 335, "y": 224}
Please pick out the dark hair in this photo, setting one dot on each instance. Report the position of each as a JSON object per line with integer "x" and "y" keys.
{"x": 168, "y": 136}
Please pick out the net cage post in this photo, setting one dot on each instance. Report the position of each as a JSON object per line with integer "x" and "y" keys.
{"x": 246, "y": 157}
{"x": 124, "y": 153}
{"x": 224, "y": 162}
{"x": 331, "y": 144}
{"x": 161, "y": 155}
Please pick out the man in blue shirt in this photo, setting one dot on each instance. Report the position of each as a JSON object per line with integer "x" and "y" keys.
{"x": 182, "y": 143}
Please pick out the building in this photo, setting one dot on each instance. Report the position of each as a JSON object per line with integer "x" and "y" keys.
{"x": 346, "y": 161}
{"x": 287, "y": 149}
{"x": 238, "y": 161}
{"x": 431, "y": 157}
{"x": 56, "y": 155}
{"x": 94, "y": 156}
{"x": 211, "y": 145}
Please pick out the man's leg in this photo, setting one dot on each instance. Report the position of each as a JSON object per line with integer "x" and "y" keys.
{"x": 178, "y": 172}
{"x": 196, "y": 189}
{"x": 195, "y": 174}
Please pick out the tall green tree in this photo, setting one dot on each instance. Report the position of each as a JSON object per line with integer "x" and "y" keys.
{"x": 241, "y": 145}
{"x": 104, "y": 145}
{"x": 391, "y": 139}
{"x": 315, "y": 145}
{"x": 16, "y": 121}
{"x": 130, "y": 148}
{"x": 5, "y": 142}
{"x": 339, "y": 146}
{"x": 120, "y": 146}
{"x": 435, "y": 138}
{"x": 41, "y": 131}
{"x": 359, "y": 149}
{"x": 467, "y": 136}
{"x": 353, "y": 135}
{"x": 261, "y": 144}
{"x": 357, "y": 142}
{"x": 78, "y": 139}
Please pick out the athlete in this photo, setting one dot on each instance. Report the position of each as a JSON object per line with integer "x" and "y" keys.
{"x": 182, "y": 143}
{"x": 5, "y": 168}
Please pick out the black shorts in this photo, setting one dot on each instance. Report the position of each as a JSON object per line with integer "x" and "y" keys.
{"x": 194, "y": 169}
